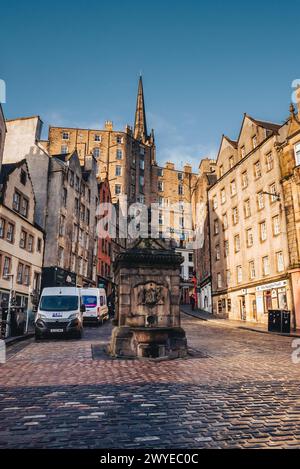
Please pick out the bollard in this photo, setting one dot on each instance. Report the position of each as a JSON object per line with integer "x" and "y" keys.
{"x": 2, "y": 352}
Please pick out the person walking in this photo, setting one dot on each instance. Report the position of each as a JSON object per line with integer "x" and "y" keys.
{"x": 192, "y": 301}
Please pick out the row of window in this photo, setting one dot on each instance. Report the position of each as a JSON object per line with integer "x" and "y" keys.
{"x": 74, "y": 181}
{"x": 160, "y": 173}
{"x": 76, "y": 261}
{"x": 233, "y": 192}
{"x": 96, "y": 152}
{"x": 254, "y": 142}
{"x": 23, "y": 272}
{"x": 105, "y": 247}
{"x": 249, "y": 237}
{"x": 80, "y": 211}
{"x": 104, "y": 269}
{"x": 7, "y": 232}
{"x": 97, "y": 137}
{"x": 265, "y": 262}
{"x": 246, "y": 209}
{"x": 160, "y": 187}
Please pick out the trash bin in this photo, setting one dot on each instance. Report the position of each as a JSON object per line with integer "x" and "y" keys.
{"x": 286, "y": 322}
{"x": 274, "y": 322}
{"x": 279, "y": 321}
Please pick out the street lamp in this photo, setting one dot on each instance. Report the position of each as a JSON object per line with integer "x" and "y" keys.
{"x": 273, "y": 194}
{"x": 7, "y": 276}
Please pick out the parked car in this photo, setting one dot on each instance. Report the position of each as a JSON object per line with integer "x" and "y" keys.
{"x": 95, "y": 302}
{"x": 60, "y": 313}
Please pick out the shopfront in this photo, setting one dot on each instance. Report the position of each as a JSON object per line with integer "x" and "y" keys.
{"x": 272, "y": 296}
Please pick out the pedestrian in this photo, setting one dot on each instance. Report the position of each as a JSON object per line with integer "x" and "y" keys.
{"x": 192, "y": 301}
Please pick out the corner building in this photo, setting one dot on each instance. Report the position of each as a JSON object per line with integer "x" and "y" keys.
{"x": 249, "y": 246}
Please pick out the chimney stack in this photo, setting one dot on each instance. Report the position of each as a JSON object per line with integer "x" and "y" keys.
{"x": 109, "y": 125}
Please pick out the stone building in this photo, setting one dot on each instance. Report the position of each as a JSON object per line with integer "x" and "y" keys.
{"x": 104, "y": 271}
{"x": 21, "y": 239}
{"x": 71, "y": 238}
{"x": 124, "y": 157}
{"x": 202, "y": 259}
{"x": 249, "y": 246}
{"x": 289, "y": 156}
{"x": 174, "y": 216}
{"x": 59, "y": 183}
{"x": 2, "y": 135}
{"x": 23, "y": 141}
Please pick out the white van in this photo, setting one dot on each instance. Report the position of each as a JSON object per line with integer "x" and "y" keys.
{"x": 95, "y": 302}
{"x": 59, "y": 313}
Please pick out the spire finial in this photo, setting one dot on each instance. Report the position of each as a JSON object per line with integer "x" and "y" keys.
{"x": 140, "y": 126}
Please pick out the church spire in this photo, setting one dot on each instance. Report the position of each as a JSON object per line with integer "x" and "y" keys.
{"x": 140, "y": 126}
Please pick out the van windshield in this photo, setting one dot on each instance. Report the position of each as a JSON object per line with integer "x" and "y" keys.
{"x": 59, "y": 303}
{"x": 89, "y": 300}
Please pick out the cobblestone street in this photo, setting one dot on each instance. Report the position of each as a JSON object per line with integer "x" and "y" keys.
{"x": 236, "y": 389}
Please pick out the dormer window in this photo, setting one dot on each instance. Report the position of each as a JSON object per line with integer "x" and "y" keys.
{"x": 297, "y": 153}
{"x": 243, "y": 151}
{"x": 254, "y": 141}
{"x": 231, "y": 162}
{"x": 221, "y": 170}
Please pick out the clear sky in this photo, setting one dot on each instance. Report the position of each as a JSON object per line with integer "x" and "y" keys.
{"x": 204, "y": 63}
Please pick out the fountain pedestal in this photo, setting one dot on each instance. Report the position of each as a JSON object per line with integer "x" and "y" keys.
{"x": 147, "y": 307}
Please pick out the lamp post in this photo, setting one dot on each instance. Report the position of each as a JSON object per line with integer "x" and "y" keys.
{"x": 7, "y": 331}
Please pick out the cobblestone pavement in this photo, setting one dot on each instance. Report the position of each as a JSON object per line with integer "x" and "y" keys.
{"x": 236, "y": 389}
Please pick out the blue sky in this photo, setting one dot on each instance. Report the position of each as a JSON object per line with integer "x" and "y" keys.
{"x": 203, "y": 63}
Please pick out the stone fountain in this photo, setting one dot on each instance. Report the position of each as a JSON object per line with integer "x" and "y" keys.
{"x": 147, "y": 305}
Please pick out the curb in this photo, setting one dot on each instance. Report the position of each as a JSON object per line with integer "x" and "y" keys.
{"x": 12, "y": 340}
{"x": 246, "y": 328}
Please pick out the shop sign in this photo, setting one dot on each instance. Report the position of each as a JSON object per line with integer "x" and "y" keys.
{"x": 271, "y": 286}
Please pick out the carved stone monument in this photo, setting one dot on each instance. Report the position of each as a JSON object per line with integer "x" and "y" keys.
{"x": 147, "y": 307}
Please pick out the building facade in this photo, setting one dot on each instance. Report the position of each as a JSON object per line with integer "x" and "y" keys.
{"x": 104, "y": 267}
{"x": 71, "y": 237}
{"x": 2, "y": 135}
{"x": 202, "y": 259}
{"x": 173, "y": 215}
{"x": 249, "y": 247}
{"x": 289, "y": 155}
{"x": 125, "y": 158}
{"x": 23, "y": 142}
{"x": 21, "y": 239}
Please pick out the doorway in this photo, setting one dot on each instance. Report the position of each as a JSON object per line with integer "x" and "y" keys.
{"x": 243, "y": 313}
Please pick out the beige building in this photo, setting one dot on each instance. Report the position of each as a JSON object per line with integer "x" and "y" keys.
{"x": 289, "y": 154}
{"x": 124, "y": 157}
{"x": 173, "y": 216}
{"x": 2, "y": 135}
{"x": 174, "y": 189}
{"x": 21, "y": 239}
{"x": 248, "y": 232}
